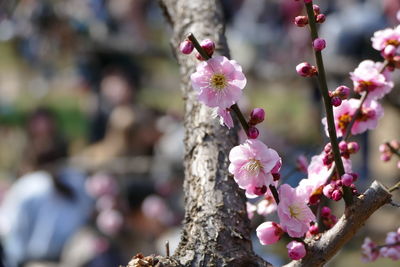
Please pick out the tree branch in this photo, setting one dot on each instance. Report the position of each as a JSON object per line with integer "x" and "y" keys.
{"x": 321, "y": 250}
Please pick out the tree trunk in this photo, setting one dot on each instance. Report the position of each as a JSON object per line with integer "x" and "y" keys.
{"x": 216, "y": 228}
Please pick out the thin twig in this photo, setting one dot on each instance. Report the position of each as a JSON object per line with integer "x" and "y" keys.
{"x": 395, "y": 187}
{"x": 167, "y": 248}
{"x": 323, "y": 87}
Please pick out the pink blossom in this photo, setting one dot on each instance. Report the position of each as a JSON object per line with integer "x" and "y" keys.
{"x": 391, "y": 250}
{"x": 186, "y": 47}
{"x": 367, "y": 77}
{"x": 296, "y": 250}
{"x": 302, "y": 163}
{"x": 225, "y": 117}
{"x": 251, "y": 165}
{"x": 155, "y": 207}
{"x": 369, "y": 250}
{"x": 219, "y": 82}
{"x": 257, "y": 116}
{"x": 386, "y": 37}
{"x": 109, "y": 221}
{"x": 253, "y": 132}
{"x": 101, "y": 184}
{"x": 294, "y": 214}
{"x": 250, "y": 208}
{"x": 269, "y": 233}
{"x": 319, "y": 44}
{"x": 371, "y": 112}
{"x": 267, "y": 205}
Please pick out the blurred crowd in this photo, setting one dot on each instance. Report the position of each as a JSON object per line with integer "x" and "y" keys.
{"x": 97, "y": 196}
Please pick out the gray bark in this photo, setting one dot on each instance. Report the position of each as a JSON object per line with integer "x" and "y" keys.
{"x": 216, "y": 228}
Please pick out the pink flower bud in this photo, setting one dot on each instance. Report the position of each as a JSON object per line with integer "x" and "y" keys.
{"x": 199, "y": 57}
{"x": 276, "y": 176}
{"x": 386, "y": 157}
{"x": 327, "y": 159}
{"x": 336, "y": 101}
{"x": 186, "y": 47}
{"x": 260, "y": 190}
{"x": 257, "y": 116}
{"x": 316, "y": 9}
{"x": 343, "y": 146}
{"x": 319, "y": 44}
{"x": 370, "y": 113}
{"x": 328, "y": 148}
{"x": 208, "y": 46}
{"x": 338, "y": 183}
{"x": 301, "y": 21}
{"x": 383, "y": 148}
{"x": 342, "y": 91}
{"x": 302, "y": 163}
{"x": 389, "y": 51}
{"x": 347, "y": 179}
{"x": 313, "y": 229}
{"x": 296, "y": 250}
{"x": 395, "y": 144}
{"x": 320, "y": 18}
{"x": 355, "y": 176}
{"x": 325, "y": 212}
{"x": 253, "y": 132}
{"x": 353, "y": 147}
{"x": 337, "y": 195}
{"x": 328, "y": 190}
{"x": 306, "y": 70}
{"x": 269, "y": 233}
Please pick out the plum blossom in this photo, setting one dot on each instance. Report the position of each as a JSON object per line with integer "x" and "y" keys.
{"x": 269, "y": 233}
{"x": 371, "y": 112}
{"x": 369, "y": 250}
{"x": 251, "y": 209}
{"x": 219, "y": 82}
{"x": 294, "y": 214}
{"x": 391, "y": 250}
{"x": 296, "y": 250}
{"x": 318, "y": 174}
{"x": 267, "y": 205}
{"x": 383, "y": 38}
{"x": 367, "y": 77}
{"x": 251, "y": 166}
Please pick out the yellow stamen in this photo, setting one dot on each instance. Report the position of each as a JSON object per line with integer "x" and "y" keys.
{"x": 218, "y": 81}
{"x": 254, "y": 166}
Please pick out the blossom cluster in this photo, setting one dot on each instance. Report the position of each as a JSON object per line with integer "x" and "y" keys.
{"x": 219, "y": 82}
{"x": 391, "y": 249}
{"x": 389, "y": 149}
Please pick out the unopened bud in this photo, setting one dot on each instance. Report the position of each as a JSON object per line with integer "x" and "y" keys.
{"x": 319, "y": 44}
{"x": 389, "y": 51}
{"x": 342, "y": 92}
{"x": 257, "y": 116}
{"x": 337, "y": 195}
{"x": 336, "y": 101}
{"x": 353, "y": 147}
{"x": 186, "y": 47}
{"x": 306, "y": 70}
{"x": 347, "y": 179}
{"x": 253, "y": 132}
{"x": 320, "y": 18}
{"x": 208, "y": 46}
{"x": 301, "y": 21}
{"x": 316, "y": 9}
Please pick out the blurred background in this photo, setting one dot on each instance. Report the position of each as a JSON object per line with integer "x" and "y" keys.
{"x": 91, "y": 127}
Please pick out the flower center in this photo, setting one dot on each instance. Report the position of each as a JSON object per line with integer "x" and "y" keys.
{"x": 366, "y": 86}
{"x": 344, "y": 120}
{"x": 254, "y": 166}
{"x": 295, "y": 211}
{"x": 218, "y": 81}
{"x": 392, "y": 42}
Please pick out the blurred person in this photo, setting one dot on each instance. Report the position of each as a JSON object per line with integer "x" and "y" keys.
{"x": 47, "y": 204}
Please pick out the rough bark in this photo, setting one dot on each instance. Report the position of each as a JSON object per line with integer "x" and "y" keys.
{"x": 322, "y": 250}
{"x": 216, "y": 228}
